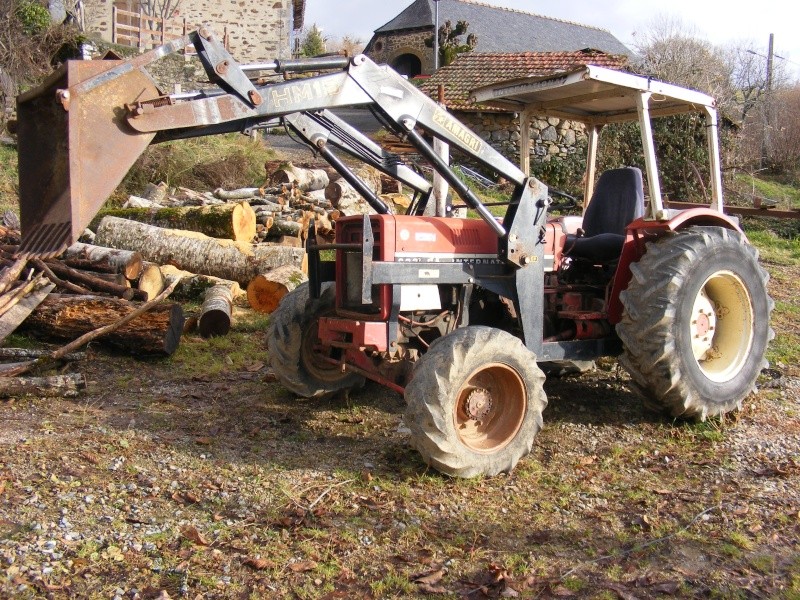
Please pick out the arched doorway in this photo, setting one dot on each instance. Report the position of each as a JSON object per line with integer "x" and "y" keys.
{"x": 407, "y": 64}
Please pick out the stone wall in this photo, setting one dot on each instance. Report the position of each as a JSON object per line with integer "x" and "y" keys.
{"x": 257, "y": 30}
{"x": 387, "y": 48}
{"x": 549, "y": 136}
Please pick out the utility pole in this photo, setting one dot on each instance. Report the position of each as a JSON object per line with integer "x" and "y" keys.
{"x": 765, "y": 145}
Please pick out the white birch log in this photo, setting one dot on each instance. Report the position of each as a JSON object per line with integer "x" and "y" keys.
{"x": 215, "y": 316}
{"x": 127, "y": 262}
{"x": 196, "y": 252}
{"x": 305, "y": 179}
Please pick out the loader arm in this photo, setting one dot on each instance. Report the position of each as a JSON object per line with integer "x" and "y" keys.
{"x": 82, "y": 130}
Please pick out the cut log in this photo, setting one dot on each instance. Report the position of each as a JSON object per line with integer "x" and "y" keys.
{"x": 137, "y": 202}
{"x": 227, "y": 221}
{"x": 347, "y": 200}
{"x": 151, "y": 281}
{"x": 265, "y": 291}
{"x": 91, "y": 281}
{"x": 288, "y": 228}
{"x": 156, "y": 192}
{"x": 67, "y": 317}
{"x": 118, "y": 261}
{"x": 63, "y": 386}
{"x": 336, "y": 189}
{"x": 192, "y": 286}
{"x": 18, "y": 353}
{"x": 305, "y": 179}
{"x": 215, "y": 316}
{"x": 60, "y": 283}
{"x": 196, "y": 252}
{"x": 398, "y": 202}
{"x": 238, "y": 194}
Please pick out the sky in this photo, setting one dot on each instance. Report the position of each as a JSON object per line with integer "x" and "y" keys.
{"x": 718, "y": 21}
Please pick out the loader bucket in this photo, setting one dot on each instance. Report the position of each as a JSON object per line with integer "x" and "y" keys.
{"x": 75, "y": 147}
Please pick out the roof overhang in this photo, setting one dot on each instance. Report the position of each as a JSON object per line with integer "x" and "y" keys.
{"x": 592, "y": 95}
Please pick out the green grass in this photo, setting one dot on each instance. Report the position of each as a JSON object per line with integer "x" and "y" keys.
{"x": 9, "y": 187}
{"x": 786, "y": 195}
{"x": 201, "y": 164}
{"x": 244, "y": 345}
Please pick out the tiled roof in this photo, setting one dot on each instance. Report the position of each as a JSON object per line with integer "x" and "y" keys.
{"x": 505, "y": 29}
{"x": 472, "y": 70}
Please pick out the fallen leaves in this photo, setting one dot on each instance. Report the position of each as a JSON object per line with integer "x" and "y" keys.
{"x": 302, "y": 566}
{"x": 259, "y": 564}
{"x": 191, "y": 533}
{"x": 427, "y": 582}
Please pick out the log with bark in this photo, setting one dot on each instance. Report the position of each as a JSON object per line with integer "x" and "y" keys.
{"x": 67, "y": 317}
{"x": 369, "y": 175}
{"x": 265, "y": 291}
{"x": 305, "y": 179}
{"x": 93, "y": 282}
{"x": 215, "y": 315}
{"x": 114, "y": 261}
{"x": 227, "y": 221}
{"x": 347, "y": 200}
{"x": 196, "y": 252}
{"x": 24, "y": 353}
{"x": 64, "y": 386}
{"x": 192, "y": 286}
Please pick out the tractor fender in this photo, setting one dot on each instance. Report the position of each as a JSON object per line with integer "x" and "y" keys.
{"x": 641, "y": 231}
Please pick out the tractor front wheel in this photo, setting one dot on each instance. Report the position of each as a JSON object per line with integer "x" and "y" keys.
{"x": 296, "y": 355}
{"x": 475, "y": 402}
{"x": 696, "y": 322}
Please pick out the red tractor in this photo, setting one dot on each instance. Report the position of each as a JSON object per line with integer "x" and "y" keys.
{"x": 455, "y": 314}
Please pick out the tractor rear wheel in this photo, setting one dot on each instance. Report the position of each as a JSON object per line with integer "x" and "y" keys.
{"x": 475, "y": 402}
{"x": 695, "y": 325}
{"x": 295, "y": 353}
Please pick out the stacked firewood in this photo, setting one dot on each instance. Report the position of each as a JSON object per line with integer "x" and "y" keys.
{"x": 219, "y": 249}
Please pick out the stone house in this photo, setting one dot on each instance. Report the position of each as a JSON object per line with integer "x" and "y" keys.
{"x": 401, "y": 42}
{"x": 256, "y": 30}
{"x": 549, "y": 137}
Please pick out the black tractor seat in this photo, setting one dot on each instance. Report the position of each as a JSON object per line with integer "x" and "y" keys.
{"x": 618, "y": 199}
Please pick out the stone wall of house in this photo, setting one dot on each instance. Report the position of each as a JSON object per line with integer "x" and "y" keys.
{"x": 549, "y": 136}
{"x": 257, "y": 31}
{"x": 387, "y": 48}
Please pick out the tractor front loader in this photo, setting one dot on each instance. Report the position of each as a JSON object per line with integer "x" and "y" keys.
{"x": 455, "y": 314}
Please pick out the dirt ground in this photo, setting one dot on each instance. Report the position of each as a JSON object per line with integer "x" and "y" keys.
{"x": 167, "y": 481}
{"x": 199, "y": 476}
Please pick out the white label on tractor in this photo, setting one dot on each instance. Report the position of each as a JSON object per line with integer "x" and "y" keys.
{"x": 420, "y": 297}
{"x": 424, "y": 236}
{"x": 429, "y": 273}
{"x": 405, "y": 234}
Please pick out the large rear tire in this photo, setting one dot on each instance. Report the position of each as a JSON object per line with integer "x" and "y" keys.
{"x": 695, "y": 325}
{"x": 295, "y": 353}
{"x": 475, "y": 402}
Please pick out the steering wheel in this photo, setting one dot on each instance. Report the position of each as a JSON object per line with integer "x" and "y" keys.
{"x": 562, "y": 201}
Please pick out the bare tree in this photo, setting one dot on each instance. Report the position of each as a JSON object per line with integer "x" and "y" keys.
{"x": 348, "y": 45}
{"x": 673, "y": 51}
{"x": 164, "y": 9}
